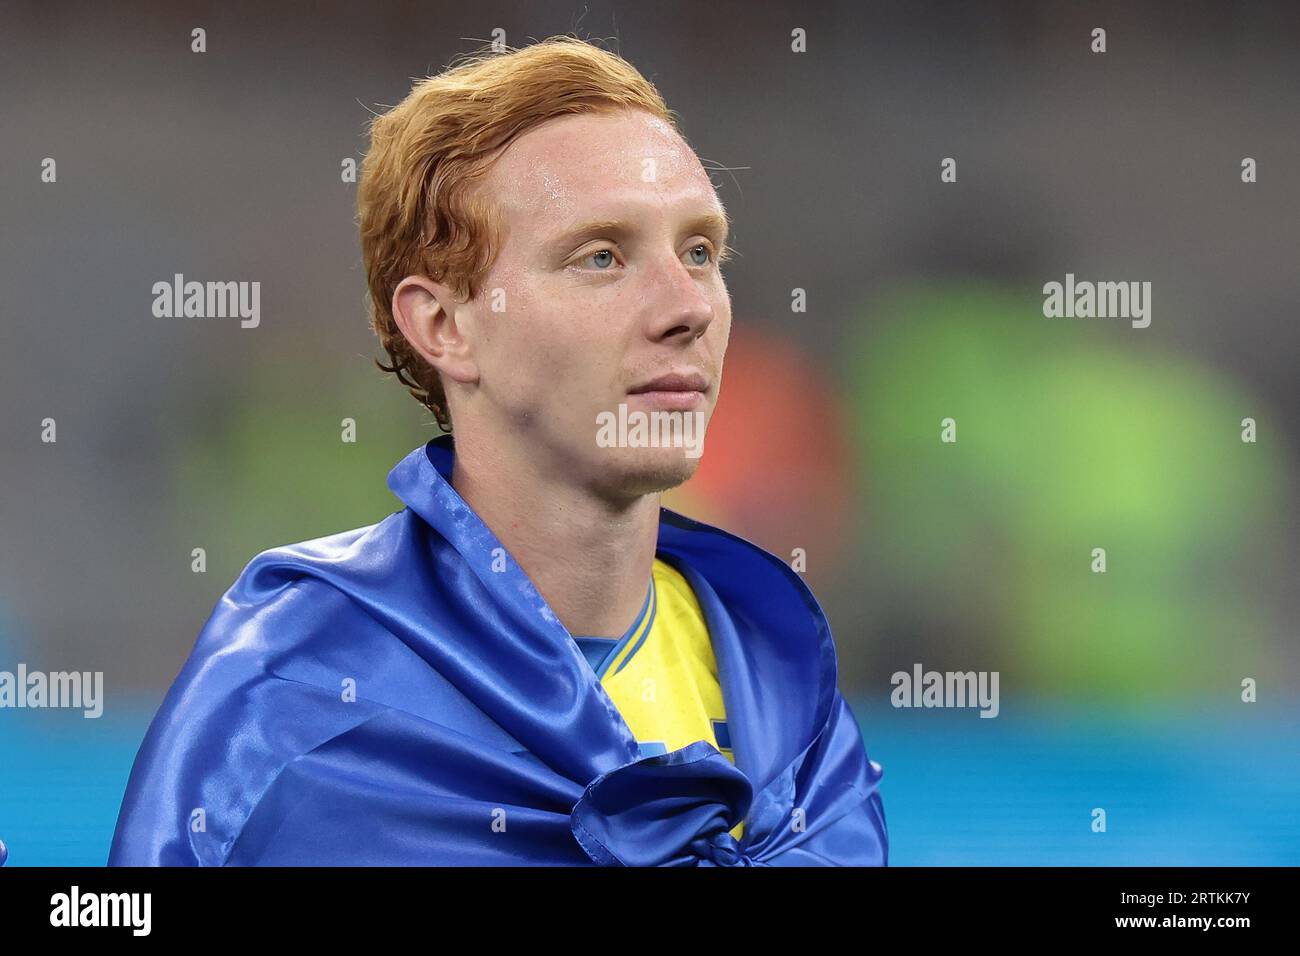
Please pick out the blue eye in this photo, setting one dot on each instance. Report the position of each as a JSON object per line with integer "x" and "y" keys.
{"x": 602, "y": 252}
{"x": 707, "y": 256}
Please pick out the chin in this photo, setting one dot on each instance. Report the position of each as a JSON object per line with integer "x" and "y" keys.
{"x": 633, "y": 472}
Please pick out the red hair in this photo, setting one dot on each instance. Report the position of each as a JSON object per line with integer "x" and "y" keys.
{"x": 417, "y": 208}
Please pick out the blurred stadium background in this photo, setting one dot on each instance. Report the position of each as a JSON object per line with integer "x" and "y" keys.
{"x": 1119, "y": 690}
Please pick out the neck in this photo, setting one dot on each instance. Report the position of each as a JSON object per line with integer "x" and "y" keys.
{"x": 591, "y": 559}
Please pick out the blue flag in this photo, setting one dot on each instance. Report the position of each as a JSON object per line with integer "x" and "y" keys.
{"x": 401, "y": 694}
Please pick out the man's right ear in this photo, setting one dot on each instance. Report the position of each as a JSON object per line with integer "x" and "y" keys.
{"x": 437, "y": 326}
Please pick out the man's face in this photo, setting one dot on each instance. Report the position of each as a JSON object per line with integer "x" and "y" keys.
{"x": 607, "y": 280}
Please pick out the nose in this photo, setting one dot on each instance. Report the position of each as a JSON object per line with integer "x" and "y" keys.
{"x": 680, "y": 307}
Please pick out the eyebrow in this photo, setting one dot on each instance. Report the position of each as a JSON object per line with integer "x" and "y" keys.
{"x": 713, "y": 224}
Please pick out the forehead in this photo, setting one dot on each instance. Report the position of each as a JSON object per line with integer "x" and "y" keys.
{"x": 583, "y": 165}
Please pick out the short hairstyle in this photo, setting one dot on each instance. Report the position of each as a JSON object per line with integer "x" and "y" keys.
{"x": 417, "y": 209}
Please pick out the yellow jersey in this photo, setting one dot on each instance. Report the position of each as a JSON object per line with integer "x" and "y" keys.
{"x": 661, "y": 674}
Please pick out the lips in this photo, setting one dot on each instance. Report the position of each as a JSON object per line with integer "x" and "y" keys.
{"x": 673, "y": 382}
{"x": 674, "y": 392}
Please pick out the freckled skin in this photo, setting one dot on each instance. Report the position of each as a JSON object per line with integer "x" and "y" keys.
{"x": 582, "y": 325}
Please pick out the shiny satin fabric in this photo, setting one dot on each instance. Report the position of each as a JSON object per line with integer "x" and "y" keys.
{"x": 401, "y": 694}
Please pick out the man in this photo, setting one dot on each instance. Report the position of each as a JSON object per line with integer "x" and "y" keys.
{"x": 532, "y": 662}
